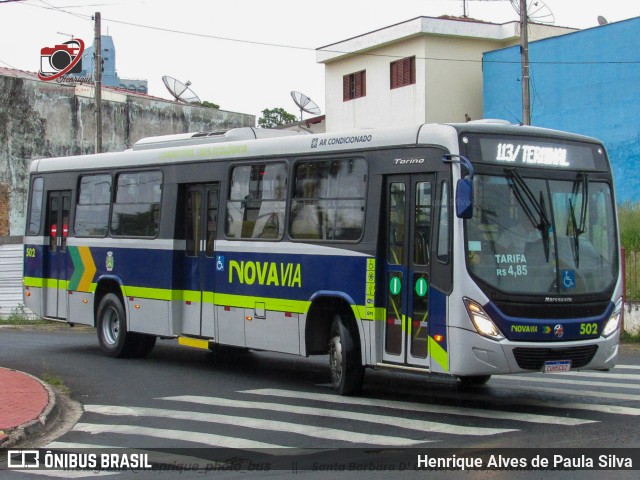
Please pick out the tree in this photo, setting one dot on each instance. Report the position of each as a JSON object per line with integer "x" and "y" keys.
{"x": 275, "y": 117}
{"x": 208, "y": 104}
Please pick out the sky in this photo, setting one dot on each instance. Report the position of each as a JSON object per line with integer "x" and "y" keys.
{"x": 244, "y": 55}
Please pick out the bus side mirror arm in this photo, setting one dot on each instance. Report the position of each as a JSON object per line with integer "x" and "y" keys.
{"x": 464, "y": 187}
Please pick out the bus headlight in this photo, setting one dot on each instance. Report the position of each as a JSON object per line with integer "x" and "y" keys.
{"x": 484, "y": 325}
{"x": 614, "y": 320}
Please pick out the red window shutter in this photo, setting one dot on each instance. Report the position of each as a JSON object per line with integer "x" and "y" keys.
{"x": 403, "y": 72}
{"x": 394, "y": 74}
{"x": 345, "y": 88}
{"x": 363, "y": 83}
{"x": 406, "y": 71}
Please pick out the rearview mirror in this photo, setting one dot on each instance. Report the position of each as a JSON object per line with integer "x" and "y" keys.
{"x": 464, "y": 199}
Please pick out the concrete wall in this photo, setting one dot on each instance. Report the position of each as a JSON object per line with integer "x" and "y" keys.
{"x": 584, "y": 82}
{"x": 47, "y": 119}
{"x": 632, "y": 318}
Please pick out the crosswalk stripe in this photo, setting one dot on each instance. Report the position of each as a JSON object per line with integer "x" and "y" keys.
{"x": 581, "y": 374}
{"x": 590, "y": 407}
{"x": 259, "y": 424}
{"x": 573, "y": 392}
{"x": 557, "y": 379}
{"x": 426, "y": 408}
{"x": 420, "y": 425}
{"x": 209, "y": 439}
{"x": 627, "y": 367}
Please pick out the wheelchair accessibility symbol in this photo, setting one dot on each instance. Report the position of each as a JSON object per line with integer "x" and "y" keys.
{"x": 219, "y": 263}
{"x": 568, "y": 279}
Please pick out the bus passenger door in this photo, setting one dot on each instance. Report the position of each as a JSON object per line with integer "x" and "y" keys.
{"x": 55, "y": 263}
{"x": 408, "y": 230}
{"x": 201, "y": 204}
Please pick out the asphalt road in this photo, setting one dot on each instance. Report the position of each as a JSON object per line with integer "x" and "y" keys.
{"x": 186, "y": 399}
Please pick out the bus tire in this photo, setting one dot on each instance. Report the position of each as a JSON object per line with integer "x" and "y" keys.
{"x": 347, "y": 372}
{"x": 111, "y": 325}
{"x": 474, "y": 380}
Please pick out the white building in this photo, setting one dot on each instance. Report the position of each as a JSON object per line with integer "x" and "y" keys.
{"x": 419, "y": 71}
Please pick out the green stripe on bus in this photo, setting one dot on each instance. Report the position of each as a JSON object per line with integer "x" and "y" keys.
{"x": 439, "y": 354}
{"x": 33, "y": 282}
{"x": 211, "y": 298}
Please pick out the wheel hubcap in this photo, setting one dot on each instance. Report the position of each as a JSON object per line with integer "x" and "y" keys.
{"x": 111, "y": 326}
{"x": 335, "y": 359}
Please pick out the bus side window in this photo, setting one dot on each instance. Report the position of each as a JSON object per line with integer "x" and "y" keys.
{"x": 443, "y": 228}
{"x": 256, "y": 204}
{"x": 35, "y": 212}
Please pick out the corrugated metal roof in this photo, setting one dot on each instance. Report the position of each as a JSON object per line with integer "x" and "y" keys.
{"x": 11, "y": 258}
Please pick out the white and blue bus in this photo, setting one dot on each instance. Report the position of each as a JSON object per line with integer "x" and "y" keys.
{"x": 464, "y": 249}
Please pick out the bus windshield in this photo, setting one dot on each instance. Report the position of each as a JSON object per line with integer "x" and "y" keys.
{"x": 542, "y": 236}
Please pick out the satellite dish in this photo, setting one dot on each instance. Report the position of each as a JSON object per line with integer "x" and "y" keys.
{"x": 305, "y": 104}
{"x": 180, "y": 91}
{"x": 537, "y": 11}
{"x": 602, "y": 20}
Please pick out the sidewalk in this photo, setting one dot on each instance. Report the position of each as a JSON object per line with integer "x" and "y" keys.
{"x": 27, "y": 405}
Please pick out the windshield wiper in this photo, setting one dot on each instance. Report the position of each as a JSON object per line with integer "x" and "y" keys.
{"x": 578, "y": 229}
{"x": 527, "y": 200}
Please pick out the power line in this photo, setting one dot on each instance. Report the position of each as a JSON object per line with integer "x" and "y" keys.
{"x": 309, "y": 49}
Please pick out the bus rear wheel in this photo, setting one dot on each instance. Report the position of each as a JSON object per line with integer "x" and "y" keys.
{"x": 114, "y": 338}
{"x": 347, "y": 372}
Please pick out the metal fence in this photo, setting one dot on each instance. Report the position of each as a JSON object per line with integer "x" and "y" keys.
{"x": 10, "y": 279}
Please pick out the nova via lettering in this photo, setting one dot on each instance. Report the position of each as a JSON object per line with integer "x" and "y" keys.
{"x": 266, "y": 273}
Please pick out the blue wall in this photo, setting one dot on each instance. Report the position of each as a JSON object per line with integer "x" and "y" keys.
{"x": 586, "y": 82}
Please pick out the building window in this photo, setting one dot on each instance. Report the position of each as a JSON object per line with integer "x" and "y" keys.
{"x": 354, "y": 85}
{"x": 403, "y": 72}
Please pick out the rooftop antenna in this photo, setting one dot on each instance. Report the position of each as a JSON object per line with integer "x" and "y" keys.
{"x": 602, "y": 21}
{"x": 180, "y": 91}
{"x": 305, "y": 104}
{"x": 536, "y": 11}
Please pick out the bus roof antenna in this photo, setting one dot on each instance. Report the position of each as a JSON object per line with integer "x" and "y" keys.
{"x": 180, "y": 91}
{"x": 305, "y": 104}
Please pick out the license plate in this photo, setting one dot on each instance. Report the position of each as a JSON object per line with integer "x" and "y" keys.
{"x": 557, "y": 366}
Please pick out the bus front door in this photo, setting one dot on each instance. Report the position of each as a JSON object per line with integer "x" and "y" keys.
{"x": 408, "y": 230}
{"x": 201, "y": 216}
{"x": 56, "y": 256}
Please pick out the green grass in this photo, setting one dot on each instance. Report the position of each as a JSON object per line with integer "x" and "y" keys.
{"x": 18, "y": 316}
{"x": 56, "y": 382}
{"x": 627, "y": 337}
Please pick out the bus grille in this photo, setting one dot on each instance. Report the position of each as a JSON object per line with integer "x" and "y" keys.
{"x": 534, "y": 358}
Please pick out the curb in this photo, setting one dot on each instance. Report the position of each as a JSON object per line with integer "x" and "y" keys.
{"x": 35, "y": 426}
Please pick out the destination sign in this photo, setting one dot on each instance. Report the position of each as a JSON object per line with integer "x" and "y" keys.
{"x": 535, "y": 152}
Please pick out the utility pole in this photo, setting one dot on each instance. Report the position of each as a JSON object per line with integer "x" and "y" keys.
{"x": 97, "y": 81}
{"x": 524, "y": 59}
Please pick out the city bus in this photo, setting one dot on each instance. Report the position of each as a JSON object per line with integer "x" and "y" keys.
{"x": 467, "y": 250}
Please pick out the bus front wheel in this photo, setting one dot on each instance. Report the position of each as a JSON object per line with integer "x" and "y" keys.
{"x": 347, "y": 372}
